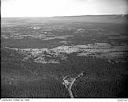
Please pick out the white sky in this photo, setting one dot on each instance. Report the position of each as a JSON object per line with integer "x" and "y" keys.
{"x": 48, "y": 8}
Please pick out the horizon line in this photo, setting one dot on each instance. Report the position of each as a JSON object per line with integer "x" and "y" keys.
{"x": 65, "y": 16}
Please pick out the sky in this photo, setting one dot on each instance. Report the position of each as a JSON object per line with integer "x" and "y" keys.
{"x": 50, "y": 8}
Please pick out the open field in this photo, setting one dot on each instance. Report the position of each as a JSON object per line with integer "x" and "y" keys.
{"x": 63, "y": 57}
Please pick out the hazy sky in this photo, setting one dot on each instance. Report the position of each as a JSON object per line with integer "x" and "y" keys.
{"x": 48, "y": 8}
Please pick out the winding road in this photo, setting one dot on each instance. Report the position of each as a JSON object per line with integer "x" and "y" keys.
{"x": 69, "y": 81}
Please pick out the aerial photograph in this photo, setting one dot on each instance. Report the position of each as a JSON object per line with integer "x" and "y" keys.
{"x": 64, "y": 49}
